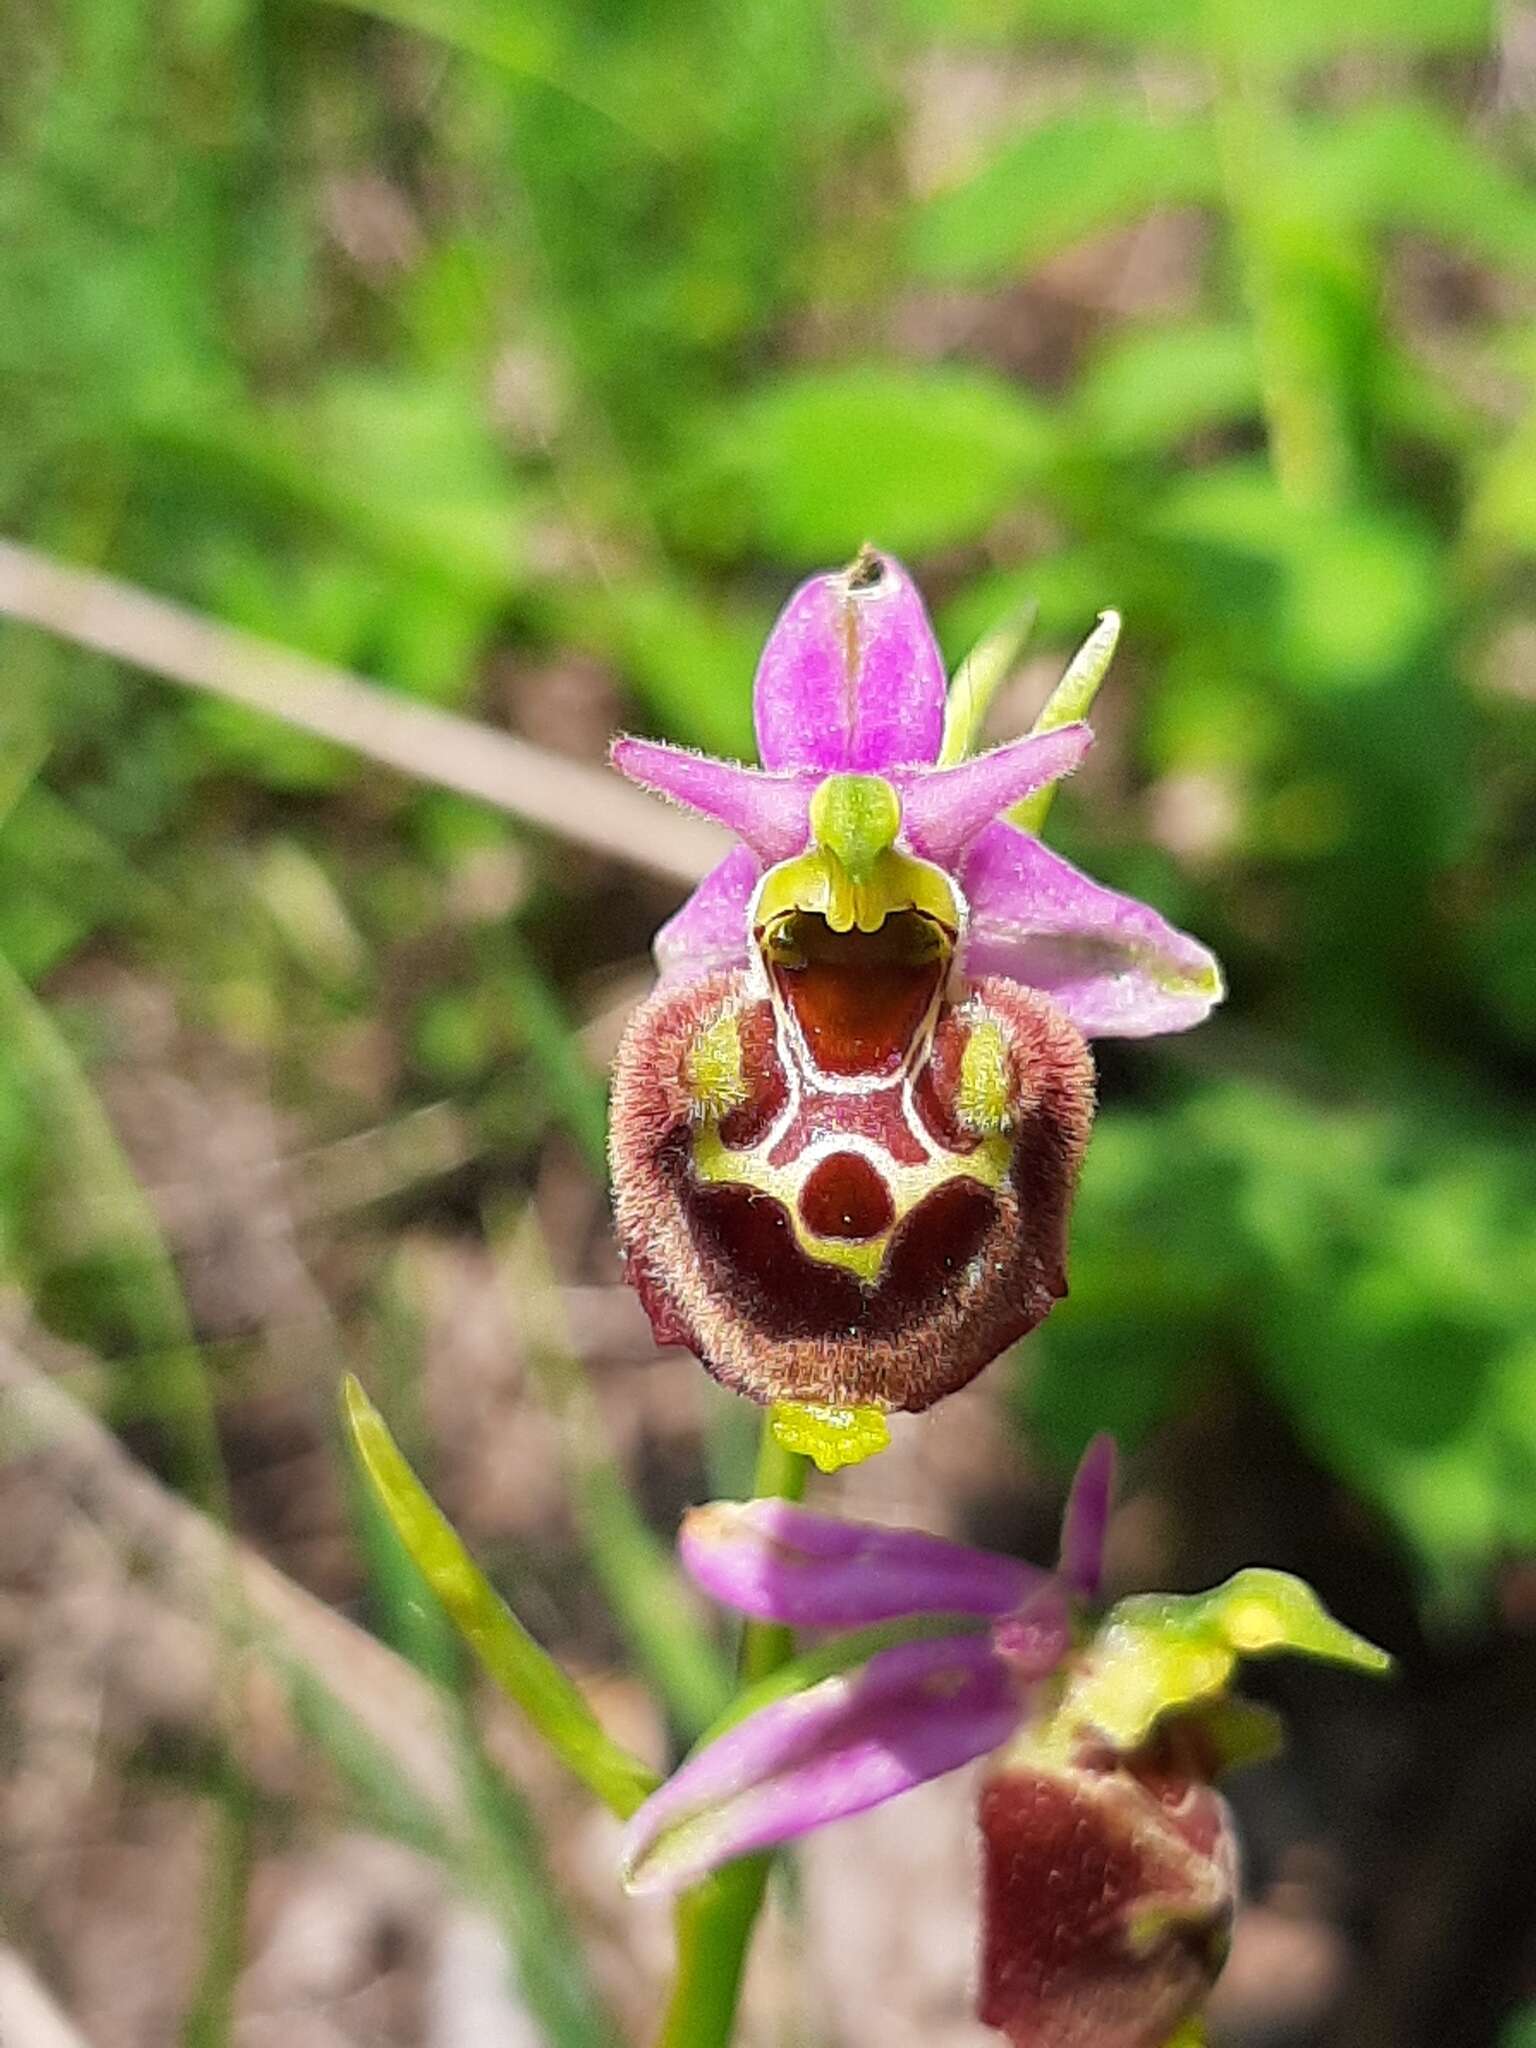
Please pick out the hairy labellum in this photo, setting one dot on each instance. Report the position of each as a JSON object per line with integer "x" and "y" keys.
{"x": 847, "y": 1190}
{"x": 847, "y": 1128}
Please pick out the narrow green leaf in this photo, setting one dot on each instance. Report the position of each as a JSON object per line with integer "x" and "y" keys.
{"x": 498, "y": 1860}
{"x": 505, "y": 1649}
{"x": 91, "y": 1209}
{"x": 1076, "y": 175}
{"x": 549, "y": 1951}
{"x": 575, "y": 1088}
{"x": 227, "y": 1877}
{"x": 655, "y": 1607}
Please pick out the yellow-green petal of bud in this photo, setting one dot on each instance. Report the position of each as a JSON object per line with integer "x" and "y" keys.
{"x": 1143, "y": 1664}
{"x": 1159, "y": 1652}
{"x": 979, "y": 678}
{"x": 1071, "y": 699}
{"x": 1258, "y": 1611}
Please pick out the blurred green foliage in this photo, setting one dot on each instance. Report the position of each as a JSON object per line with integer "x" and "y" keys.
{"x": 432, "y": 335}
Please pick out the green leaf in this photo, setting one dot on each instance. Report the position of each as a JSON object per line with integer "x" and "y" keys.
{"x": 1074, "y": 176}
{"x": 1356, "y": 593}
{"x": 406, "y": 466}
{"x": 1146, "y": 390}
{"x": 1363, "y": 594}
{"x": 1315, "y": 31}
{"x": 1373, "y": 1270}
{"x": 1405, "y": 166}
{"x": 910, "y": 458}
{"x": 533, "y": 44}
{"x": 507, "y": 1652}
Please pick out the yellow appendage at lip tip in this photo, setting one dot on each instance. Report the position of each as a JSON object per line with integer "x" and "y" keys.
{"x": 832, "y": 1438}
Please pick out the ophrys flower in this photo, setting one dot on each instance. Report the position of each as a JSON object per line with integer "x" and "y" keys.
{"x": 847, "y": 1127}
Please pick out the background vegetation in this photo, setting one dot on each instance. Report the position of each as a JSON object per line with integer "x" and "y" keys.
{"x": 520, "y": 357}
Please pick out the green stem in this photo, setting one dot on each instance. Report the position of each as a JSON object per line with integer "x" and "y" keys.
{"x": 1305, "y": 413}
{"x": 764, "y": 1645}
{"x": 714, "y": 1928}
{"x": 715, "y": 1920}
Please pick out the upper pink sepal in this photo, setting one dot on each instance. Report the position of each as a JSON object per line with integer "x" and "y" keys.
{"x": 851, "y": 677}
{"x": 770, "y": 812}
{"x": 779, "y": 1562}
{"x": 1112, "y": 964}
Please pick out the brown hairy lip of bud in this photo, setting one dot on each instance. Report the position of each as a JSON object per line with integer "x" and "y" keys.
{"x": 969, "y": 1270}
{"x": 1109, "y": 1894}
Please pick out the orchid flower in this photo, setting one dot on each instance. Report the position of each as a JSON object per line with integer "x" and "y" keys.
{"x": 847, "y": 1126}
{"x": 1109, "y": 1859}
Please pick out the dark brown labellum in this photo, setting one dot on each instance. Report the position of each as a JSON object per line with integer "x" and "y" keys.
{"x": 834, "y": 1184}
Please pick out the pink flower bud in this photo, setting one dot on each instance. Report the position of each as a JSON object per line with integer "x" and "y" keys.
{"x": 847, "y": 1128}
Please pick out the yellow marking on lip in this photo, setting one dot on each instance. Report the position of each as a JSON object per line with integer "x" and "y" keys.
{"x": 718, "y": 1165}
